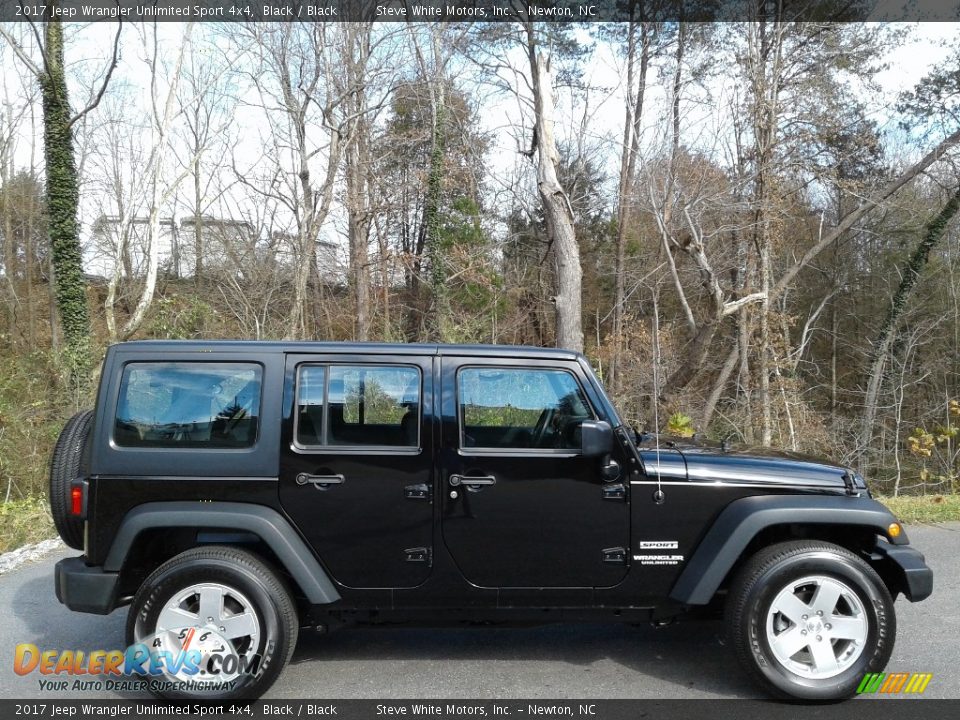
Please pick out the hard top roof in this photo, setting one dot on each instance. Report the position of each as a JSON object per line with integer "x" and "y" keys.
{"x": 359, "y": 348}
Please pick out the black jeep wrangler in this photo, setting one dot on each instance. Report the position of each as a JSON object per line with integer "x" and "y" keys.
{"x": 233, "y": 493}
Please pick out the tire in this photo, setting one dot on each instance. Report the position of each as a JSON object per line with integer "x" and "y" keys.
{"x": 67, "y": 464}
{"x": 782, "y": 641}
{"x": 252, "y": 594}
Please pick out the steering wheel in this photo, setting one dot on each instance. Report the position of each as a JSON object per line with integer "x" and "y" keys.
{"x": 540, "y": 430}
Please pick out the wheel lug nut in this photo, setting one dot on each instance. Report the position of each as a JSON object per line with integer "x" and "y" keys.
{"x": 222, "y": 628}
{"x": 804, "y": 617}
{"x": 209, "y": 619}
{"x": 828, "y": 626}
{"x": 820, "y": 612}
{"x": 803, "y": 632}
{"x": 819, "y": 638}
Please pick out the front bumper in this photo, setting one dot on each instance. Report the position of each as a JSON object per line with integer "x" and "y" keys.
{"x": 86, "y": 588}
{"x": 905, "y": 568}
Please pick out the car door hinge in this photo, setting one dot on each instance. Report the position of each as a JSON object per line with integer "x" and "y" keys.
{"x": 421, "y": 491}
{"x": 616, "y": 556}
{"x": 616, "y": 491}
{"x": 418, "y": 555}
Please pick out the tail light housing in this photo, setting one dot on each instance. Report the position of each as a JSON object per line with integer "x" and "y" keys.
{"x": 78, "y": 499}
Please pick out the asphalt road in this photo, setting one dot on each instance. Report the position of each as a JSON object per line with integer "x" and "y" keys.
{"x": 685, "y": 660}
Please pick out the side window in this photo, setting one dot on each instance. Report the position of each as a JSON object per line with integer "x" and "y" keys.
{"x": 520, "y": 408}
{"x": 311, "y": 385}
{"x": 358, "y": 405}
{"x": 188, "y": 405}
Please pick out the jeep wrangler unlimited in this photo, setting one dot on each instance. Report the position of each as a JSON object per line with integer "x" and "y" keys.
{"x": 232, "y": 493}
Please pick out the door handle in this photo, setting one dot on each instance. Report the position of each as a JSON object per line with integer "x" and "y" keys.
{"x": 456, "y": 480}
{"x": 320, "y": 481}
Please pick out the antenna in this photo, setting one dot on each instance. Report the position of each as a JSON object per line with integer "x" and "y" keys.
{"x": 658, "y": 496}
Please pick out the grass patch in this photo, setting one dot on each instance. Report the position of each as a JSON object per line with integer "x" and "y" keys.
{"x": 924, "y": 508}
{"x": 25, "y": 521}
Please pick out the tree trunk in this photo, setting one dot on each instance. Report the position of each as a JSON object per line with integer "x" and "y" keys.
{"x": 721, "y": 382}
{"x": 833, "y": 366}
{"x": 356, "y": 53}
{"x": 157, "y": 197}
{"x": 628, "y": 162}
{"x": 765, "y": 75}
{"x": 746, "y": 381}
{"x": 358, "y": 225}
{"x": 31, "y": 271}
{"x": 935, "y": 230}
{"x": 197, "y": 224}
{"x": 438, "y": 316}
{"x": 9, "y": 249}
{"x": 62, "y": 198}
{"x": 763, "y": 366}
{"x": 556, "y": 206}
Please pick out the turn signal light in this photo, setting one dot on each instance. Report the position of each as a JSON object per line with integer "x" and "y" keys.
{"x": 894, "y": 530}
{"x": 76, "y": 501}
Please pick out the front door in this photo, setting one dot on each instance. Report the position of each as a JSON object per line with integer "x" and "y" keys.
{"x": 356, "y": 467}
{"x": 522, "y": 507}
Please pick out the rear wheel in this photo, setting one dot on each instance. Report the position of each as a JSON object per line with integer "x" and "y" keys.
{"x": 808, "y": 619}
{"x": 66, "y": 465}
{"x": 223, "y": 620}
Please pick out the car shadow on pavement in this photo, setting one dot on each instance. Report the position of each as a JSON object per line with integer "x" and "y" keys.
{"x": 592, "y": 660}
{"x": 586, "y": 660}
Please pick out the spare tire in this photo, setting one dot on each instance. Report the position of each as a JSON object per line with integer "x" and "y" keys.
{"x": 67, "y": 464}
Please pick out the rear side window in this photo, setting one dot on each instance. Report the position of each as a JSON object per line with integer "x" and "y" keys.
{"x": 358, "y": 405}
{"x": 188, "y": 405}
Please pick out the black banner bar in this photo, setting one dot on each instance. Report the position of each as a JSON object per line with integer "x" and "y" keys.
{"x": 862, "y": 709}
{"x": 562, "y": 11}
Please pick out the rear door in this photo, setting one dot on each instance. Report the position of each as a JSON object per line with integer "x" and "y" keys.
{"x": 356, "y": 467}
{"x": 522, "y": 507}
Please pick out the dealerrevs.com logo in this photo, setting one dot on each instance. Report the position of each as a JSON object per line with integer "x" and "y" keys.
{"x": 894, "y": 683}
{"x": 193, "y": 660}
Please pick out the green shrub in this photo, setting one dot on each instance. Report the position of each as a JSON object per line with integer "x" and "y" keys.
{"x": 25, "y": 521}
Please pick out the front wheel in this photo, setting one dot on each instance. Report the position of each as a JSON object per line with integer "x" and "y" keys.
{"x": 213, "y": 623}
{"x": 809, "y": 619}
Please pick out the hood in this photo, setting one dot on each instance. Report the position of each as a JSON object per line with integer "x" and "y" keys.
{"x": 683, "y": 459}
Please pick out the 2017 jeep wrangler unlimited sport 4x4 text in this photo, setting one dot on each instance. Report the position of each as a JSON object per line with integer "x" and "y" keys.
{"x": 234, "y": 492}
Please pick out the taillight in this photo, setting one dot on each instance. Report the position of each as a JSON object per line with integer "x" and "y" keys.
{"x": 76, "y": 500}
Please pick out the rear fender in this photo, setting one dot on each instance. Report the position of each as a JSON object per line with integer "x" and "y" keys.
{"x": 264, "y": 522}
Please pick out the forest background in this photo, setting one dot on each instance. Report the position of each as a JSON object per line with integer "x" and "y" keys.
{"x": 749, "y": 228}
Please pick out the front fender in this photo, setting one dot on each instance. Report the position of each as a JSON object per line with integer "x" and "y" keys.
{"x": 742, "y": 519}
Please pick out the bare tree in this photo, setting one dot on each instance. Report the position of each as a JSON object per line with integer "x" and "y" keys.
{"x": 639, "y": 41}
{"x": 163, "y": 113}
{"x": 357, "y": 48}
{"x": 298, "y": 75}
{"x": 206, "y": 130}
{"x": 558, "y": 214}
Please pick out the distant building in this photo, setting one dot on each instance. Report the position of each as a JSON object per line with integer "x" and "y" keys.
{"x": 226, "y": 246}
{"x": 283, "y": 246}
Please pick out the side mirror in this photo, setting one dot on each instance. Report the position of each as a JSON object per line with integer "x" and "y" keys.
{"x": 596, "y": 438}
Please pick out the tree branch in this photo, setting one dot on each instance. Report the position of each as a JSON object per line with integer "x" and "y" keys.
{"x": 106, "y": 80}
{"x": 729, "y": 308}
{"x": 852, "y": 217}
{"x": 20, "y": 53}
